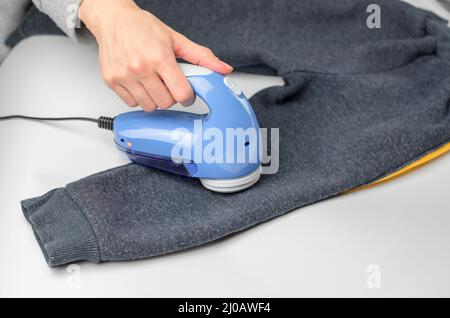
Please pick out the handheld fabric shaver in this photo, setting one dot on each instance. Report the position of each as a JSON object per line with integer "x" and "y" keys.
{"x": 221, "y": 148}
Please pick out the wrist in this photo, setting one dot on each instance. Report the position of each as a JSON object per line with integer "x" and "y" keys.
{"x": 96, "y": 13}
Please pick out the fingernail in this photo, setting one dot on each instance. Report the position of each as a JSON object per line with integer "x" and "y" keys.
{"x": 226, "y": 64}
{"x": 223, "y": 62}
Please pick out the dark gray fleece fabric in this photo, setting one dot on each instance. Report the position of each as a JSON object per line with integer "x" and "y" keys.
{"x": 359, "y": 103}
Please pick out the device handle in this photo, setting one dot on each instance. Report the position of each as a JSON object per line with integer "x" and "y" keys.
{"x": 221, "y": 95}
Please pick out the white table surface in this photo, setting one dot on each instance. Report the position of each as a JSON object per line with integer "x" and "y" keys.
{"x": 400, "y": 229}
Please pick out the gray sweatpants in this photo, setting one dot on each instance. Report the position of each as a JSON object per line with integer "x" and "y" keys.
{"x": 359, "y": 103}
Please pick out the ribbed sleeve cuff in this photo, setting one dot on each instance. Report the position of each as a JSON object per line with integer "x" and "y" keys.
{"x": 65, "y": 14}
{"x": 61, "y": 228}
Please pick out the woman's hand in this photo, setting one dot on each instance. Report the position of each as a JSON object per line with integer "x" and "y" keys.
{"x": 138, "y": 54}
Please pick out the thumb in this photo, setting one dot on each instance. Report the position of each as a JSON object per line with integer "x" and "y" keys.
{"x": 198, "y": 55}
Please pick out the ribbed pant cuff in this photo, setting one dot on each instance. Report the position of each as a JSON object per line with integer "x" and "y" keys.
{"x": 61, "y": 229}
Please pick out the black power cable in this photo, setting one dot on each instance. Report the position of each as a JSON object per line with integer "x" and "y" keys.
{"x": 102, "y": 122}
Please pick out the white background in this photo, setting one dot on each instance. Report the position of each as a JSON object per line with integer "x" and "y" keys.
{"x": 325, "y": 249}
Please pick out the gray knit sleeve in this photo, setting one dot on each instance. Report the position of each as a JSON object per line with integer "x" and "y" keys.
{"x": 11, "y": 14}
{"x": 65, "y": 14}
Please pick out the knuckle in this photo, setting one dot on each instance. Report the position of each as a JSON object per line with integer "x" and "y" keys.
{"x": 136, "y": 66}
{"x": 110, "y": 79}
{"x": 157, "y": 57}
{"x": 123, "y": 75}
{"x": 206, "y": 51}
{"x": 115, "y": 78}
{"x": 127, "y": 99}
{"x": 130, "y": 103}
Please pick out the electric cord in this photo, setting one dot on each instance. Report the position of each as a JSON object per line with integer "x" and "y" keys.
{"x": 102, "y": 122}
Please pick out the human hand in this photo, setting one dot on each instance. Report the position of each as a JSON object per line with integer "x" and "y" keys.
{"x": 138, "y": 54}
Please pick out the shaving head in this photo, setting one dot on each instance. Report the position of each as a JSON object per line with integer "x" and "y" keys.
{"x": 232, "y": 185}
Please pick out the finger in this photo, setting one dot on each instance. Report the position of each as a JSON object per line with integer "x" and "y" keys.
{"x": 199, "y": 55}
{"x": 140, "y": 95}
{"x": 158, "y": 91}
{"x": 125, "y": 95}
{"x": 176, "y": 82}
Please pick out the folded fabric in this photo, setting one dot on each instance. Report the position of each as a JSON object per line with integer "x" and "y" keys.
{"x": 445, "y": 3}
{"x": 359, "y": 103}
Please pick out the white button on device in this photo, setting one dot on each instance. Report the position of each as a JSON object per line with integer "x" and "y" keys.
{"x": 194, "y": 70}
{"x": 232, "y": 85}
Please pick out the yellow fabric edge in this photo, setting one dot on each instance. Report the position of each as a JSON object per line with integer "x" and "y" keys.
{"x": 425, "y": 159}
